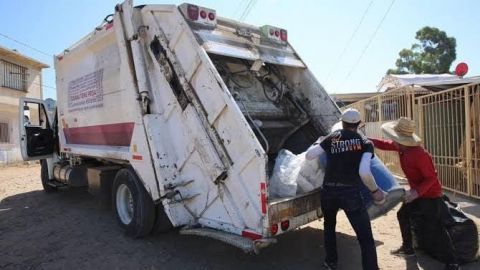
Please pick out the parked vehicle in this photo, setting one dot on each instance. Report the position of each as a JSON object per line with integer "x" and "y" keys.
{"x": 177, "y": 115}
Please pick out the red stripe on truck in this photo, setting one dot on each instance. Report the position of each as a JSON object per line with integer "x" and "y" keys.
{"x": 112, "y": 134}
{"x": 137, "y": 157}
{"x": 251, "y": 235}
{"x": 263, "y": 197}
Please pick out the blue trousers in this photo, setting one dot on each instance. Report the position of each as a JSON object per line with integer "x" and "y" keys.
{"x": 350, "y": 200}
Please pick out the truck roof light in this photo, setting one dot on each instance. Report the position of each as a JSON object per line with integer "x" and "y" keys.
{"x": 283, "y": 35}
{"x": 211, "y": 16}
{"x": 274, "y": 34}
{"x": 192, "y": 11}
{"x": 202, "y": 16}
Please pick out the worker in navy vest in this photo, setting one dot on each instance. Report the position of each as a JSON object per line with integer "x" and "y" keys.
{"x": 348, "y": 166}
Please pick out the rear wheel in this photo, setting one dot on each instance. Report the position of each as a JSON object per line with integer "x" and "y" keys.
{"x": 133, "y": 206}
{"x": 44, "y": 177}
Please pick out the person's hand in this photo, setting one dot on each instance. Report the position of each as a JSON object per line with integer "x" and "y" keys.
{"x": 410, "y": 195}
{"x": 379, "y": 196}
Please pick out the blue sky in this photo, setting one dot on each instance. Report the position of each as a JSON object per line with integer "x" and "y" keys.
{"x": 319, "y": 30}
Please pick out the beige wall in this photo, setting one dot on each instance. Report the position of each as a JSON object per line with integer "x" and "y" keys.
{"x": 10, "y": 152}
{"x": 9, "y": 101}
{"x": 34, "y": 82}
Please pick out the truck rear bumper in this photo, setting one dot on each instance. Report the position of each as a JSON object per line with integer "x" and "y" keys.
{"x": 282, "y": 210}
{"x": 246, "y": 244}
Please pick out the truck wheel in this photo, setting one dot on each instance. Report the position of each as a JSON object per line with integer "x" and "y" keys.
{"x": 44, "y": 177}
{"x": 162, "y": 222}
{"x": 133, "y": 206}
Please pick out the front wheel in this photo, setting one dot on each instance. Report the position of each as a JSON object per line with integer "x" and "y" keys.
{"x": 135, "y": 210}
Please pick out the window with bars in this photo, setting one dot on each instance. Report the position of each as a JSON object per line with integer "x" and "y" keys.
{"x": 13, "y": 76}
{"x": 4, "y": 133}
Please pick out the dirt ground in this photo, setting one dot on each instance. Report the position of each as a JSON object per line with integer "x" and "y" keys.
{"x": 69, "y": 230}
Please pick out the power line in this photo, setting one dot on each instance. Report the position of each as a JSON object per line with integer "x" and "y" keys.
{"x": 47, "y": 86}
{"x": 347, "y": 45}
{"x": 239, "y": 8}
{"x": 369, "y": 42}
{"x": 26, "y": 45}
{"x": 247, "y": 10}
{"x": 35, "y": 49}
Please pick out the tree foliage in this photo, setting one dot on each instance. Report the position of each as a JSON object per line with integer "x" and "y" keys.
{"x": 433, "y": 54}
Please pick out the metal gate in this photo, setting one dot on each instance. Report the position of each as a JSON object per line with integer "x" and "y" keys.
{"x": 449, "y": 123}
{"x": 387, "y": 107}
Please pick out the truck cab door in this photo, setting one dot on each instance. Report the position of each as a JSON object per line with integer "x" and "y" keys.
{"x": 37, "y": 137}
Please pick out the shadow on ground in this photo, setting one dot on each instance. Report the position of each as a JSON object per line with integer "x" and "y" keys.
{"x": 69, "y": 229}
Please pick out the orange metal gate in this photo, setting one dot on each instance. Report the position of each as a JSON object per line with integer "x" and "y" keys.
{"x": 387, "y": 107}
{"x": 449, "y": 123}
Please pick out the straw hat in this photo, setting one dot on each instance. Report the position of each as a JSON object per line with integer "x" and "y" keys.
{"x": 402, "y": 131}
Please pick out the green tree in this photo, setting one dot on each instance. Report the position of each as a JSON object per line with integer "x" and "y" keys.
{"x": 433, "y": 54}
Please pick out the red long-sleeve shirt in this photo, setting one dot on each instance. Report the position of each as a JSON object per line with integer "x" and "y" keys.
{"x": 418, "y": 167}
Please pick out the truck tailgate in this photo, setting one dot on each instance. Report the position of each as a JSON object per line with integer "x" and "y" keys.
{"x": 288, "y": 208}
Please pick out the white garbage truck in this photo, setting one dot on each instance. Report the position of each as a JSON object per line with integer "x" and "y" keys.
{"x": 176, "y": 115}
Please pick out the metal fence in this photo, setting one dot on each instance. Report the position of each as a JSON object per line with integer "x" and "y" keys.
{"x": 449, "y": 123}
{"x": 386, "y": 107}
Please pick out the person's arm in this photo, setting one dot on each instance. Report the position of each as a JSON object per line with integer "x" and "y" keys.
{"x": 314, "y": 151}
{"x": 386, "y": 145}
{"x": 378, "y": 195}
{"x": 365, "y": 172}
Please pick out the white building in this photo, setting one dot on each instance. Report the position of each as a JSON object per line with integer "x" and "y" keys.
{"x": 393, "y": 81}
{"x": 20, "y": 76}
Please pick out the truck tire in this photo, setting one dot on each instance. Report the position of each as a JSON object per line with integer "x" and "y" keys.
{"x": 44, "y": 177}
{"x": 162, "y": 222}
{"x": 133, "y": 206}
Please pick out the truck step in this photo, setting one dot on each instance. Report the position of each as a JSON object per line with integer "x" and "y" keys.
{"x": 56, "y": 184}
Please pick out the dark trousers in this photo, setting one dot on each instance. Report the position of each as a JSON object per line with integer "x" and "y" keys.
{"x": 350, "y": 200}
{"x": 428, "y": 210}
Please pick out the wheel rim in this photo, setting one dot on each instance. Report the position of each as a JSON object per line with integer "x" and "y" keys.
{"x": 124, "y": 204}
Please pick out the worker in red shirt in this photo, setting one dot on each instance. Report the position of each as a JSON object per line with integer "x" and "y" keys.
{"x": 425, "y": 188}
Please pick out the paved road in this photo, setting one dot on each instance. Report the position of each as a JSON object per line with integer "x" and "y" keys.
{"x": 69, "y": 230}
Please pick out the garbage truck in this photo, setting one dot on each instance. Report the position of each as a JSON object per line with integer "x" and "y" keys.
{"x": 175, "y": 115}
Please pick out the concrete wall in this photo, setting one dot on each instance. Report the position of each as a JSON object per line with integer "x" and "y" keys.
{"x": 9, "y": 99}
{"x": 10, "y": 152}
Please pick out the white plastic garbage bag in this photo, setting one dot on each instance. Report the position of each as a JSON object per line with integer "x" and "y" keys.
{"x": 283, "y": 182}
{"x": 293, "y": 175}
{"x": 312, "y": 172}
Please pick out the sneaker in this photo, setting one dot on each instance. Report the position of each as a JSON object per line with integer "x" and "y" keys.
{"x": 452, "y": 266}
{"x": 404, "y": 252}
{"x": 330, "y": 265}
